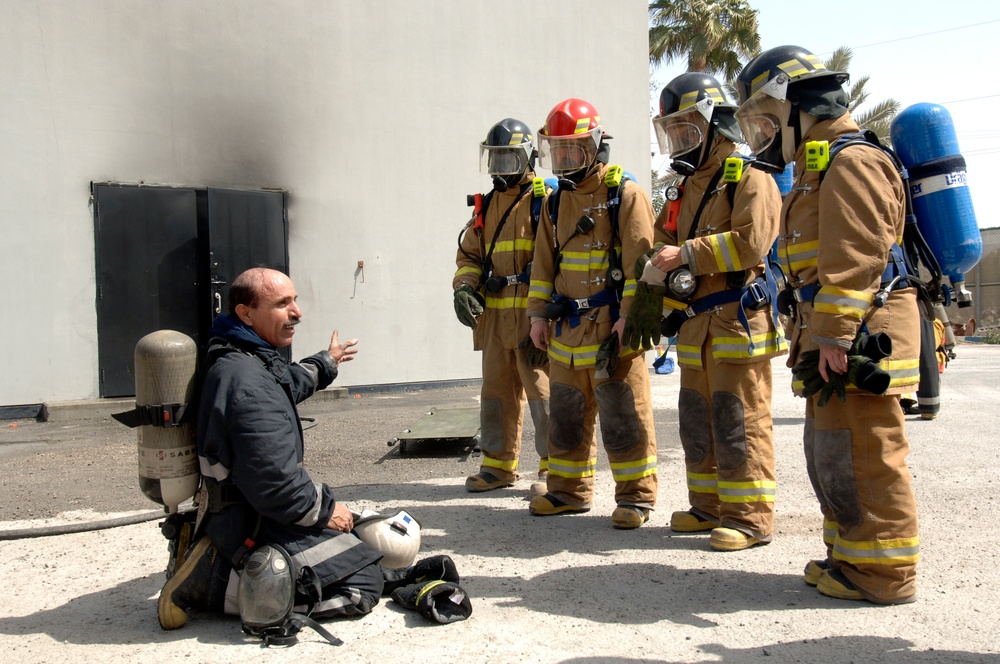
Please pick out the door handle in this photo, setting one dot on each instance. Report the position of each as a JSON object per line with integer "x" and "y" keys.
{"x": 218, "y": 302}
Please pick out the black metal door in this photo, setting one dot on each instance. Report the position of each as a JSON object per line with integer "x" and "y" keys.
{"x": 244, "y": 229}
{"x": 165, "y": 259}
{"x": 146, "y": 251}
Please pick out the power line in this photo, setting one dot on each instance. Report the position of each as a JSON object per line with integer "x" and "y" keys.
{"x": 926, "y": 34}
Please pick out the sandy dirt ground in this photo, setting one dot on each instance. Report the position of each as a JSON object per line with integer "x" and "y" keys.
{"x": 544, "y": 589}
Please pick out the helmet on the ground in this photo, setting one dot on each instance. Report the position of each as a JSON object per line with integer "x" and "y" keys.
{"x": 773, "y": 88}
{"x": 397, "y": 536}
{"x": 693, "y": 106}
{"x": 508, "y": 149}
{"x": 570, "y": 141}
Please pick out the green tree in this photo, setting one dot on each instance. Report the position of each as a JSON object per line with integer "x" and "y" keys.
{"x": 714, "y": 35}
{"x": 879, "y": 116}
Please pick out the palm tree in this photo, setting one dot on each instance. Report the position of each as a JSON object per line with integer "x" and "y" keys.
{"x": 879, "y": 117}
{"x": 714, "y": 35}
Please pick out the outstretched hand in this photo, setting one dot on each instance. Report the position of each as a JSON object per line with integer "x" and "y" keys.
{"x": 342, "y": 352}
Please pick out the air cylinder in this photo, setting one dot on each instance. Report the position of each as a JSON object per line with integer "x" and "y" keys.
{"x": 165, "y": 371}
{"x": 924, "y": 138}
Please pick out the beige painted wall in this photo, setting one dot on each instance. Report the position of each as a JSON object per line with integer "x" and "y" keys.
{"x": 368, "y": 113}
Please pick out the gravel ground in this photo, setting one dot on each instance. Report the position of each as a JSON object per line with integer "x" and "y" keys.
{"x": 557, "y": 589}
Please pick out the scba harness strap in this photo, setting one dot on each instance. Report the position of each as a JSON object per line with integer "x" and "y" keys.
{"x": 561, "y": 307}
{"x": 481, "y": 202}
{"x": 915, "y": 250}
{"x": 760, "y": 292}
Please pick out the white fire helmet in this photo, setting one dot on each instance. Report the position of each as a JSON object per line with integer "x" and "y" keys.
{"x": 397, "y": 536}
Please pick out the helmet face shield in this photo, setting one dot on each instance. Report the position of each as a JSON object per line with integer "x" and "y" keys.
{"x": 503, "y": 160}
{"x": 760, "y": 117}
{"x": 685, "y": 130}
{"x": 567, "y": 154}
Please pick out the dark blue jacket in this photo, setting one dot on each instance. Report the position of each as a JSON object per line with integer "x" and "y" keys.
{"x": 250, "y": 438}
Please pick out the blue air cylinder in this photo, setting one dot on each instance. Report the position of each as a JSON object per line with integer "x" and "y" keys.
{"x": 785, "y": 179}
{"x": 923, "y": 136}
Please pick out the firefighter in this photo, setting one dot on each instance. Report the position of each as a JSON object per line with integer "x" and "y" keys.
{"x": 592, "y": 224}
{"x": 494, "y": 258}
{"x": 838, "y": 241}
{"x": 717, "y": 235}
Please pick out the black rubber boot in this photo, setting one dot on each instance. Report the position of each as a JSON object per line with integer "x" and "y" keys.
{"x": 435, "y": 568}
{"x": 198, "y": 584}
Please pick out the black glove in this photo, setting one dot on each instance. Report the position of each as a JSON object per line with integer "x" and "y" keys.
{"x": 467, "y": 306}
{"x": 642, "y": 325}
{"x": 807, "y": 371}
{"x": 438, "y": 601}
{"x": 534, "y": 357}
{"x": 867, "y": 375}
{"x": 608, "y": 354}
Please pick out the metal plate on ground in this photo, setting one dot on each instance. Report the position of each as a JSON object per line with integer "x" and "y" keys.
{"x": 443, "y": 424}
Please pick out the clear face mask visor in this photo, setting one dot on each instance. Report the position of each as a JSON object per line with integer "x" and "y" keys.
{"x": 503, "y": 159}
{"x": 567, "y": 154}
{"x": 684, "y": 130}
{"x": 760, "y": 116}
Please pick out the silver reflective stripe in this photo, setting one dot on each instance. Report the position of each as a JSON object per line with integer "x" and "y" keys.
{"x": 312, "y": 515}
{"x": 727, "y": 256}
{"x": 894, "y": 552}
{"x": 313, "y": 373}
{"x": 325, "y": 550}
{"x": 567, "y": 469}
{"x": 841, "y": 301}
{"x": 336, "y": 603}
{"x": 214, "y": 470}
{"x": 750, "y": 491}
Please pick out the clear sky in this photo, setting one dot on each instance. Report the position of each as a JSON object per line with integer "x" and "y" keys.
{"x": 913, "y": 51}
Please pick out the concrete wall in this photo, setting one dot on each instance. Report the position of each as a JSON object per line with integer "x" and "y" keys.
{"x": 368, "y": 113}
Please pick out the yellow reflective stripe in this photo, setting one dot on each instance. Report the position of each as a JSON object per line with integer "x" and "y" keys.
{"x": 629, "y": 288}
{"x": 724, "y": 249}
{"x": 902, "y": 372}
{"x": 507, "y": 246}
{"x": 489, "y": 462}
{"x": 739, "y": 347}
{"x": 516, "y": 138}
{"x": 572, "y": 469}
{"x": 702, "y": 482}
{"x": 543, "y": 464}
{"x": 581, "y": 356}
{"x": 515, "y": 302}
{"x": 833, "y": 300}
{"x": 583, "y": 124}
{"x": 478, "y": 271}
{"x": 633, "y": 470}
{"x": 830, "y": 529}
{"x": 901, "y": 551}
{"x": 690, "y": 355}
{"x": 759, "y": 491}
{"x": 540, "y": 289}
{"x": 798, "y": 256}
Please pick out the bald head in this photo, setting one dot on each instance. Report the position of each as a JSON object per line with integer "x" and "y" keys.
{"x": 265, "y": 300}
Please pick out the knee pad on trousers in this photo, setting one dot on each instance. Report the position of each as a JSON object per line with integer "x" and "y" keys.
{"x": 692, "y": 409}
{"x": 539, "y": 410}
{"x": 835, "y": 475}
{"x": 729, "y": 430}
{"x": 566, "y": 430}
{"x": 809, "y": 447}
{"x": 619, "y": 421}
{"x": 491, "y": 423}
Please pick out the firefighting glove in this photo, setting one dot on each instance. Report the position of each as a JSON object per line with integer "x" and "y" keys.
{"x": 807, "y": 371}
{"x": 467, "y": 306}
{"x": 867, "y": 375}
{"x": 533, "y": 357}
{"x": 438, "y": 601}
{"x": 608, "y": 354}
{"x": 642, "y": 325}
